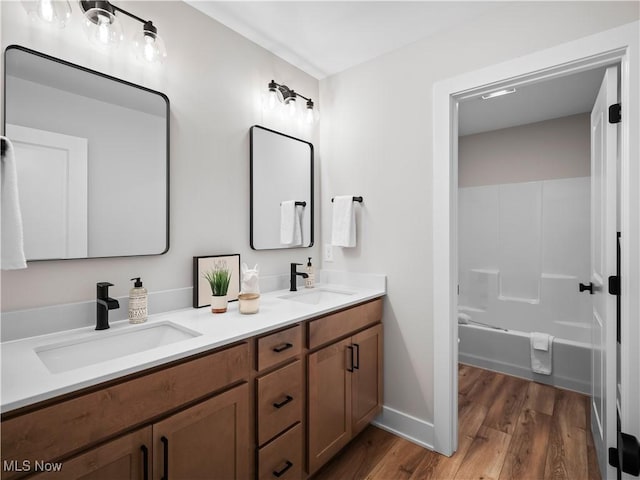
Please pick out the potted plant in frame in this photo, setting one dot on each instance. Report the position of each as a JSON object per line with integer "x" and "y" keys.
{"x": 218, "y": 278}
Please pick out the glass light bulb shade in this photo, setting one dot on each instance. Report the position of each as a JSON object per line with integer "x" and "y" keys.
{"x": 291, "y": 106}
{"x": 272, "y": 99}
{"x": 102, "y": 28}
{"x": 308, "y": 116}
{"x": 149, "y": 47}
{"x": 53, "y": 12}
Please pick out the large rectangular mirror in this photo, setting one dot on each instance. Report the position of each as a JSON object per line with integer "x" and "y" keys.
{"x": 92, "y": 156}
{"x": 281, "y": 190}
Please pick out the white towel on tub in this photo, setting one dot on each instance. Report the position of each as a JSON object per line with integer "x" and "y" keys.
{"x": 541, "y": 352}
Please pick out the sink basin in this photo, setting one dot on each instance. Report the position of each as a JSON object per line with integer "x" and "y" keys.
{"x": 104, "y": 346}
{"x": 317, "y": 296}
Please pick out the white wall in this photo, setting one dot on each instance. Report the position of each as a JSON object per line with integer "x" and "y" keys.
{"x": 376, "y": 141}
{"x": 558, "y": 148}
{"x": 214, "y": 79}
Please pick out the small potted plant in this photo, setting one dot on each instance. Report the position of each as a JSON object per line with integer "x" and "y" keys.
{"x": 218, "y": 278}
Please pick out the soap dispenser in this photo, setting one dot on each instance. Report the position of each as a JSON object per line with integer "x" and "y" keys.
{"x": 137, "y": 302}
{"x": 310, "y": 281}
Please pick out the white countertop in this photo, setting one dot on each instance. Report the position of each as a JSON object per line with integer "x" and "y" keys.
{"x": 26, "y": 379}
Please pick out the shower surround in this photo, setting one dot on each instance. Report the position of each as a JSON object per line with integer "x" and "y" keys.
{"x": 523, "y": 249}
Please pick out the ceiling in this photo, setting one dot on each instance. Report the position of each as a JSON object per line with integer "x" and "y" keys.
{"x": 559, "y": 97}
{"x": 323, "y": 38}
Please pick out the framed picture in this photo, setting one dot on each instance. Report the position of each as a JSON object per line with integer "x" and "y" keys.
{"x": 201, "y": 288}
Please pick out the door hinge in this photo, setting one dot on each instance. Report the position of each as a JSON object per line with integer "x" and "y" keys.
{"x": 614, "y": 285}
{"x": 615, "y": 115}
{"x": 627, "y": 456}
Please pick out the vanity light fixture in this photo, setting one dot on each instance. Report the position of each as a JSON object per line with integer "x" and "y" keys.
{"x": 103, "y": 28}
{"x": 287, "y": 96}
{"x": 499, "y": 93}
{"x": 53, "y": 12}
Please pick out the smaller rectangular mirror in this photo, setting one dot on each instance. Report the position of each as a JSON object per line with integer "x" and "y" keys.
{"x": 281, "y": 190}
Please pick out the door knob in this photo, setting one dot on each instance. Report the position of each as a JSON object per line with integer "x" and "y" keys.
{"x": 588, "y": 288}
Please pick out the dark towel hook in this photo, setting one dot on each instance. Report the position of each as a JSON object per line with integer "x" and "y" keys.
{"x": 3, "y": 147}
{"x": 355, "y": 199}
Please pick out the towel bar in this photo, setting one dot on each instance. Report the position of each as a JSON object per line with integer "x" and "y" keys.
{"x": 300, "y": 204}
{"x": 355, "y": 199}
{"x": 3, "y": 147}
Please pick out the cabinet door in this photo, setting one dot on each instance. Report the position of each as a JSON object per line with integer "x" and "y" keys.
{"x": 366, "y": 381}
{"x": 209, "y": 440}
{"x": 127, "y": 457}
{"x": 329, "y": 402}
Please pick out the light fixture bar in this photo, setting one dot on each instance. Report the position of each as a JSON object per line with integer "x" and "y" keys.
{"x": 108, "y": 6}
{"x": 101, "y": 19}
{"x": 288, "y": 96}
{"x": 129, "y": 14}
{"x": 499, "y": 93}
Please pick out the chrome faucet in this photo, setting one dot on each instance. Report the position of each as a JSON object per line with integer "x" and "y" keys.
{"x": 294, "y": 277}
{"x": 104, "y": 303}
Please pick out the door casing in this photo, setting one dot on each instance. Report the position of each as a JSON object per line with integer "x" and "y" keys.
{"x": 619, "y": 45}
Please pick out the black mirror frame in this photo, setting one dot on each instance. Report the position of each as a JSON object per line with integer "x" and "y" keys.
{"x": 108, "y": 77}
{"x": 252, "y": 198}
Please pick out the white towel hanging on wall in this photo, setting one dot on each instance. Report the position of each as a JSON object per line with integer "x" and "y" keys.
{"x": 12, "y": 234}
{"x": 290, "y": 223}
{"x": 343, "y": 225}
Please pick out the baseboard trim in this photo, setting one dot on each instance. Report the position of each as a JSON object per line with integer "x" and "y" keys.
{"x": 406, "y": 426}
{"x": 555, "y": 380}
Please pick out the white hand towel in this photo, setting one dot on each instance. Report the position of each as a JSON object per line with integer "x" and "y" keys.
{"x": 290, "y": 223}
{"x": 12, "y": 236}
{"x": 541, "y": 359}
{"x": 540, "y": 341}
{"x": 343, "y": 231}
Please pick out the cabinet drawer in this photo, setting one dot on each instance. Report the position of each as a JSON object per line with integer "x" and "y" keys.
{"x": 282, "y": 458}
{"x": 279, "y": 346}
{"x": 340, "y": 324}
{"x": 54, "y": 431}
{"x": 279, "y": 401}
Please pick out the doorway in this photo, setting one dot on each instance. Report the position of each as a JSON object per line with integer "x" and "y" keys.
{"x": 524, "y": 246}
{"x": 617, "y": 45}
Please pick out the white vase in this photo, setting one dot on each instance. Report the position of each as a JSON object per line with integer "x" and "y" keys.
{"x": 218, "y": 303}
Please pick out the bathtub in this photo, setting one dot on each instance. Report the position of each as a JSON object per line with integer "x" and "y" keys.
{"x": 509, "y": 352}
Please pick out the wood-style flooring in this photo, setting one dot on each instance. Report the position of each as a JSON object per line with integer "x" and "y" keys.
{"x": 509, "y": 428}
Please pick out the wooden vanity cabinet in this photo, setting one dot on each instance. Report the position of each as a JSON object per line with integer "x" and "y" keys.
{"x": 366, "y": 378}
{"x": 209, "y": 440}
{"x": 90, "y": 431}
{"x": 276, "y": 406}
{"x": 279, "y": 405}
{"x": 126, "y": 458}
{"x": 344, "y": 384}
